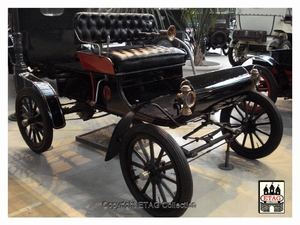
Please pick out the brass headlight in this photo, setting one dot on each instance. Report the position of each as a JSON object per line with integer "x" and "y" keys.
{"x": 188, "y": 99}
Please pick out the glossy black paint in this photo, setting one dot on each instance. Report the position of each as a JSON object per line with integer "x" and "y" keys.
{"x": 280, "y": 65}
{"x": 49, "y": 97}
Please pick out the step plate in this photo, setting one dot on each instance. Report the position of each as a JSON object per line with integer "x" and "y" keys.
{"x": 99, "y": 138}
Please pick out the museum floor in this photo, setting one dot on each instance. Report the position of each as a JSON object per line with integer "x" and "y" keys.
{"x": 73, "y": 180}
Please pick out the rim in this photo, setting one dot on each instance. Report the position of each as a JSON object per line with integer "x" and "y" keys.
{"x": 264, "y": 86}
{"x": 31, "y": 120}
{"x": 152, "y": 171}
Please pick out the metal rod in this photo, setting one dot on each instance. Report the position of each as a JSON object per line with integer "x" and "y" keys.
{"x": 208, "y": 144}
{"x": 189, "y": 53}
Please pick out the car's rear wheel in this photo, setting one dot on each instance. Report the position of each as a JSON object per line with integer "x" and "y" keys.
{"x": 258, "y": 123}
{"x": 33, "y": 120}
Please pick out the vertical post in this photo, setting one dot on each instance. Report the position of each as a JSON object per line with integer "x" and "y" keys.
{"x": 226, "y": 165}
{"x": 19, "y": 66}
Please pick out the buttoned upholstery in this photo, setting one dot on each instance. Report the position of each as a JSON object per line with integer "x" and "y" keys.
{"x": 121, "y": 27}
{"x": 126, "y": 27}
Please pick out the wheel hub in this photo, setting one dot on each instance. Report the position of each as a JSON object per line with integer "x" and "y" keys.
{"x": 144, "y": 175}
{"x": 152, "y": 172}
{"x": 249, "y": 125}
{"x": 29, "y": 121}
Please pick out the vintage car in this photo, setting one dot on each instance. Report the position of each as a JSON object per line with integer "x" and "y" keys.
{"x": 144, "y": 85}
{"x": 259, "y": 31}
{"x": 219, "y": 36}
{"x": 278, "y": 79}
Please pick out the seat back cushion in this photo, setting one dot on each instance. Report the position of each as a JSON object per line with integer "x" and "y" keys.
{"x": 121, "y": 27}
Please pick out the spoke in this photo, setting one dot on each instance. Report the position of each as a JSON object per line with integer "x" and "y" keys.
{"x": 38, "y": 135}
{"x": 246, "y": 105}
{"x": 159, "y": 157}
{"x": 262, "y": 112}
{"x": 263, "y": 132}
{"x": 153, "y": 192}
{"x": 35, "y": 107}
{"x": 29, "y": 132}
{"x": 25, "y": 109}
{"x": 139, "y": 156}
{"x": 168, "y": 178}
{"x": 235, "y": 125}
{"x": 251, "y": 140}
{"x": 235, "y": 118}
{"x": 137, "y": 165}
{"x": 167, "y": 166}
{"x": 146, "y": 186}
{"x": 167, "y": 188}
{"x": 34, "y": 135}
{"x": 135, "y": 177}
{"x": 239, "y": 110}
{"x": 162, "y": 193}
{"x": 151, "y": 151}
{"x": 253, "y": 110}
{"x": 26, "y": 105}
{"x": 244, "y": 139}
{"x": 262, "y": 124}
{"x": 144, "y": 150}
{"x": 258, "y": 138}
{"x": 30, "y": 105}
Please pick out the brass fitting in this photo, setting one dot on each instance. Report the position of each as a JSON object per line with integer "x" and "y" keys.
{"x": 188, "y": 99}
{"x": 255, "y": 78}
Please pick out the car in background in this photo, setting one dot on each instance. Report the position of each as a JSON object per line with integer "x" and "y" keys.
{"x": 259, "y": 31}
{"x": 219, "y": 36}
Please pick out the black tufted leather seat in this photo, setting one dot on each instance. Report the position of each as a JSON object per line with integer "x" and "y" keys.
{"x": 146, "y": 57}
{"x": 126, "y": 27}
{"x": 122, "y": 27}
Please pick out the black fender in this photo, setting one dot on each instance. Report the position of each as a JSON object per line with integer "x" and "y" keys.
{"x": 264, "y": 60}
{"x": 49, "y": 97}
{"x": 115, "y": 143}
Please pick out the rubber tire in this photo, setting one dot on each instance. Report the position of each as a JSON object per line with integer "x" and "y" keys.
{"x": 216, "y": 35}
{"x": 286, "y": 44}
{"x": 269, "y": 80}
{"x": 42, "y": 122}
{"x": 231, "y": 59}
{"x": 275, "y": 121}
{"x": 184, "y": 183}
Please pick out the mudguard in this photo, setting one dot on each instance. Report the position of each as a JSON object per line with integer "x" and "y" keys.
{"x": 49, "y": 96}
{"x": 265, "y": 60}
{"x": 115, "y": 143}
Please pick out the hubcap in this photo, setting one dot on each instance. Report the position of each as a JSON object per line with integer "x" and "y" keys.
{"x": 249, "y": 125}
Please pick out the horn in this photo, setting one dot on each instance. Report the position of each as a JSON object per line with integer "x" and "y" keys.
{"x": 171, "y": 32}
